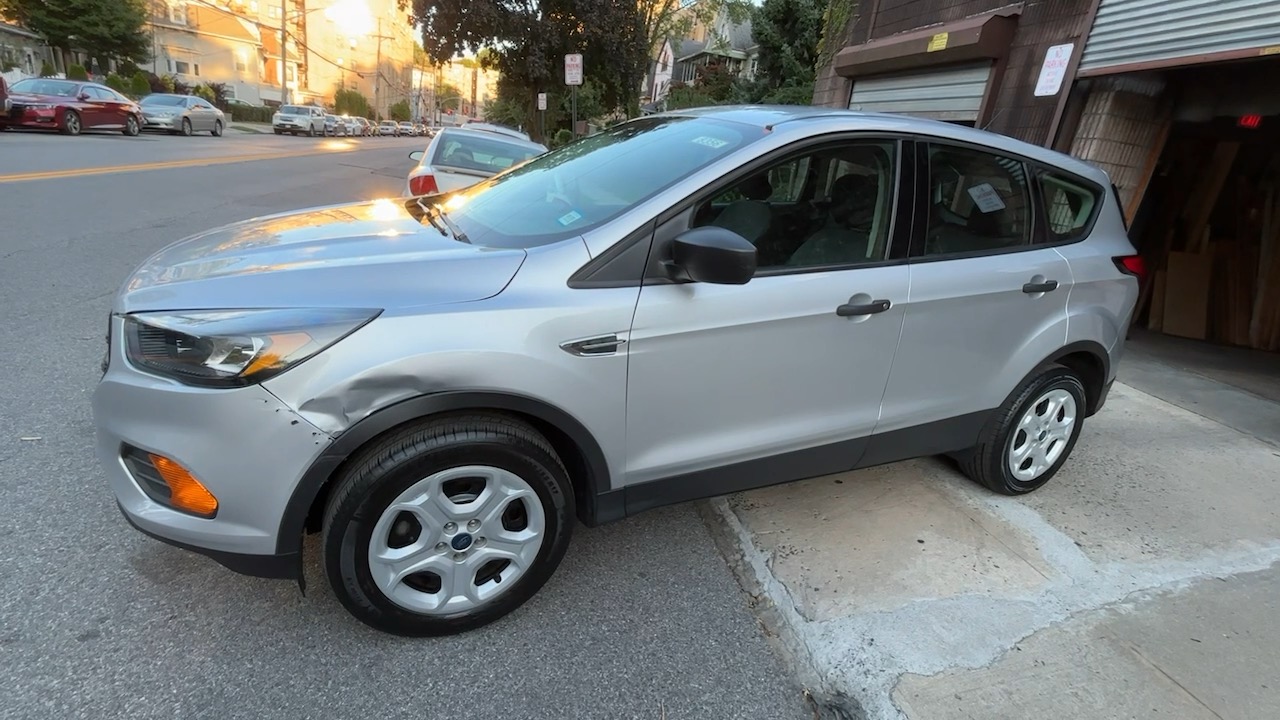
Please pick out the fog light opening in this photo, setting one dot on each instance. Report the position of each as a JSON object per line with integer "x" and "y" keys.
{"x": 186, "y": 492}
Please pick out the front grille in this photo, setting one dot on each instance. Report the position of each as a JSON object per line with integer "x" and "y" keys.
{"x": 145, "y": 474}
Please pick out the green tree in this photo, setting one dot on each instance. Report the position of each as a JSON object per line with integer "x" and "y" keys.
{"x": 77, "y": 72}
{"x": 46, "y": 69}
{"x": 117, "y": 83}
{"x": 139, "y": 85}
{"x": 787, "y": 33}
{"x": 105, "y": 30}
{"x": 351, "y": 102}
{"x": 399, "y": 111}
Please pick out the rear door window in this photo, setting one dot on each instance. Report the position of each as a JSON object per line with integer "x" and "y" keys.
{"x": 978, "y": 202}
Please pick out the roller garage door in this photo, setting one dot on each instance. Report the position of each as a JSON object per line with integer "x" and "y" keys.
{"x": 953, "y": 93}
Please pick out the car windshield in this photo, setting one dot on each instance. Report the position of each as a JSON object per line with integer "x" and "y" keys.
{"x": 171, "y": 100}
{"x": 294, "y": 110}
{"x": 586, "y": 183}
{"x": 39, "y": 86}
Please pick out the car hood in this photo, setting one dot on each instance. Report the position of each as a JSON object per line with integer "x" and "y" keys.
{"x": 370, "y": 254}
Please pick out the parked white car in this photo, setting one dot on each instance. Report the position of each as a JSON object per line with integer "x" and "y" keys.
{"x": 460, "y": 157}
{"x": 299, "y": 119}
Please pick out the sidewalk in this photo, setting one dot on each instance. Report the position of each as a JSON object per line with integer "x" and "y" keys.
{"x": 1141, "y": 582}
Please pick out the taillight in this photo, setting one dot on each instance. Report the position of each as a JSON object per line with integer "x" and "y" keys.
{"x": 1131, "y": 265}
{"x": 423, "y": 185}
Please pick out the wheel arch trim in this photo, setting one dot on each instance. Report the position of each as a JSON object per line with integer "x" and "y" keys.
{"x": 324, "y": 467}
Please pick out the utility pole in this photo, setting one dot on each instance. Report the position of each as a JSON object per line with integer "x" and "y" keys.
{"x": 284, "y": 53}
{"x": 377, "y": 74}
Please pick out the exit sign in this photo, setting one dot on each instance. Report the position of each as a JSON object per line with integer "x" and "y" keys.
{"x": 1251, "y": 122}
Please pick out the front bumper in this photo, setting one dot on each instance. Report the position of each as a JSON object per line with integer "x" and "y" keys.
{"x": 151, "y": 122}
{"x": 246, "y": 446}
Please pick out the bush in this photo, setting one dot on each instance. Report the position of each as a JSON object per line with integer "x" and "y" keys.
{"x": 350, "y": 102}
{"x": 117, "y": 83}
{"x": 399, "y": 111}
{"x": 561, "y": 138}
{"x": 206, "y": 92}
{"x": 77, "y": 72}
{"x": 167, "y": 83}
{"x": 241, "y": 113}
{"x": 139, "y": 84}
{"x": 47, "y": 70}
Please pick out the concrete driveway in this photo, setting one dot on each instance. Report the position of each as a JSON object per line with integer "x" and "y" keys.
{"x": 1141, "y": 582}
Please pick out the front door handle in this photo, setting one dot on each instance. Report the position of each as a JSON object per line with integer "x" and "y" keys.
{"x": 871, "y": 308}
{"x": 1040, "y": 287}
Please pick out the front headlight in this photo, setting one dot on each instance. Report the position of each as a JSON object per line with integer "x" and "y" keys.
{"x": 234, "y": 348}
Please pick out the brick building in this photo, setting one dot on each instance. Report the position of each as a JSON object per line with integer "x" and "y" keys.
{"x": 1177, "y": 101}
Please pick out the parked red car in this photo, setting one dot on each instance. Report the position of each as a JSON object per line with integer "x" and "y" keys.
{"x": 71, "y": 106}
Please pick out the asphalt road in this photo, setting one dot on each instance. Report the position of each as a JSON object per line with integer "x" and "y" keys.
{"x": 643, "y": 620}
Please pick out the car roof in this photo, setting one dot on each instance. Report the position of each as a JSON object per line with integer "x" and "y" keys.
{"x": 491, "y": 135}
{"x": 772, "y": 116}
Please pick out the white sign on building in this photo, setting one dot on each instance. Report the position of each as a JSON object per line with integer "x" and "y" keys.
{"x": 1054, "y": 70}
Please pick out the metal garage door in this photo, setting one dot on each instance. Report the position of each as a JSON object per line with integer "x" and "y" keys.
{"x": 953, "y": 93}
{"x": 1129, "y": 32}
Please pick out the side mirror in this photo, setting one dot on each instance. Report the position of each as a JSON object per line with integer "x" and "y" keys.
{"x": 83, "y": 96}
{"x": 713, "y": 255}
{"x": 415, "y": 155}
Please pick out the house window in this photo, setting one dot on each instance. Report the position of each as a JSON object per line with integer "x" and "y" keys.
{"x": 178, "y": 12}
{"x": 181, "y": 67}
{"x": 242, "y": 62}
{"x": 273, "y": 12}
{"x": 196, "y": 70}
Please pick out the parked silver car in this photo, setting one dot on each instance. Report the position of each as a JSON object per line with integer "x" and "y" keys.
{"x": 681, "y": 306}
{"x": 299, "y": 119}
{"x": 182, "y": 114}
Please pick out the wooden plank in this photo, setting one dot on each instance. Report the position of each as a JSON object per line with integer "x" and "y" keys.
{"x": 1186, "y": 295}
{"x": 1155, "y": 320}
{"x": 1266, "y": 251}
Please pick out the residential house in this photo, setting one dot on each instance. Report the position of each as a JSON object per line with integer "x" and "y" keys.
{"x": 658, "y": 80}
{"x": 22, "y": 52}
{"x": 719, "y": 40}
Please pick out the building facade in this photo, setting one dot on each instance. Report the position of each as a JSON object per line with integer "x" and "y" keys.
{"x": 1176, "y": 101}
{"x": 365, "y": 45}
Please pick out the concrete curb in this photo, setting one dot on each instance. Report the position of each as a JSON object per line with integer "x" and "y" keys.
{"x": 246, "y": 128}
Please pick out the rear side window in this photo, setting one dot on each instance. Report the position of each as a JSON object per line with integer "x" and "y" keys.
{"x": 978, "y": 202}
{"x": 1069, "y": 206}
{"x": 484, "y": 154}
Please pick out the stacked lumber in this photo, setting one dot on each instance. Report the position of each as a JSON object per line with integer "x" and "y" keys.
{"x": 1264, "y": 323}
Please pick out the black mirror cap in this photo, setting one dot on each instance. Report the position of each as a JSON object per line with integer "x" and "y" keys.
{"x": 415, "y": 155}
{"x": 714, "y": 255}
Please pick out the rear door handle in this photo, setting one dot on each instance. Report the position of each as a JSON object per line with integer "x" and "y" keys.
{"x": 1042, "y": 287}
{"x": 871, "y": 308}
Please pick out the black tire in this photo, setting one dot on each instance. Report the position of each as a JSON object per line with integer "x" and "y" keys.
{"x": 217, "y": 129}
{"x": 186, "y": 127}
{"x": 70, "y": 124}
{"x": 379, "y": 473}
{"x": 279, "y": 132}
{"x": 311, "y": 132}
{"x": 131, "y": 126}
{"x": 986, "y": 462}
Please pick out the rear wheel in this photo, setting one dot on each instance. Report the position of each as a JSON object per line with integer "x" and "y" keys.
{"x": 217, "y": 128}
{"x": 70, "y": 124}
{"x": 447, "y": 525}
{"x": 1031, "y": 435}
{"x": 279, "y": 132}
{"x": 131, "y": 126}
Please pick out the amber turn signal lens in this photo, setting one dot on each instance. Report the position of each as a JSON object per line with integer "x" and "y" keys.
{"x": 186, "y": 492}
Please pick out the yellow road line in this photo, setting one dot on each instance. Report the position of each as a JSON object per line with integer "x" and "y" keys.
{"x": 139, "y": 167}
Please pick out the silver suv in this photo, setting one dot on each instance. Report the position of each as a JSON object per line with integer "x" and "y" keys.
{"x": 681, "y": 306}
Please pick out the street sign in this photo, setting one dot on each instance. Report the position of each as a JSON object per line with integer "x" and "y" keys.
{"x": 573, "y": 69}
{"x": 542, "y": 101}
{"x": 1054, "y": 70}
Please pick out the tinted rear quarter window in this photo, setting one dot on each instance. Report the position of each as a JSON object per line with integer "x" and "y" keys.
{"x": 1069, "y": 205}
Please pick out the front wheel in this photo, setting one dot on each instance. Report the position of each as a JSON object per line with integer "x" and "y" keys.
{"x": 186, "y": 127}
{"x": 447, "y": 525}
{"x": 217, "y": 129}
{"x": 1031, "y": 435}
{"x": 70, "y": 124}
{"x": 131, "y": 126}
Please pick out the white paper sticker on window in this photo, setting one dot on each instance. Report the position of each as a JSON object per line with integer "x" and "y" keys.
{"x": 986, "y": 198}
{"x": 570, "y": 217}
{"x": 710, "y": 142}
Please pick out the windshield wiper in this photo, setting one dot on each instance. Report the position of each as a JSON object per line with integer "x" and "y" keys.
{"x": 457, "y": 232}
{"x": 441, "y": 222}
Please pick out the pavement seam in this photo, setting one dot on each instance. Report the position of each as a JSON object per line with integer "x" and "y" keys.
{"x": 1153, "y": 665}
